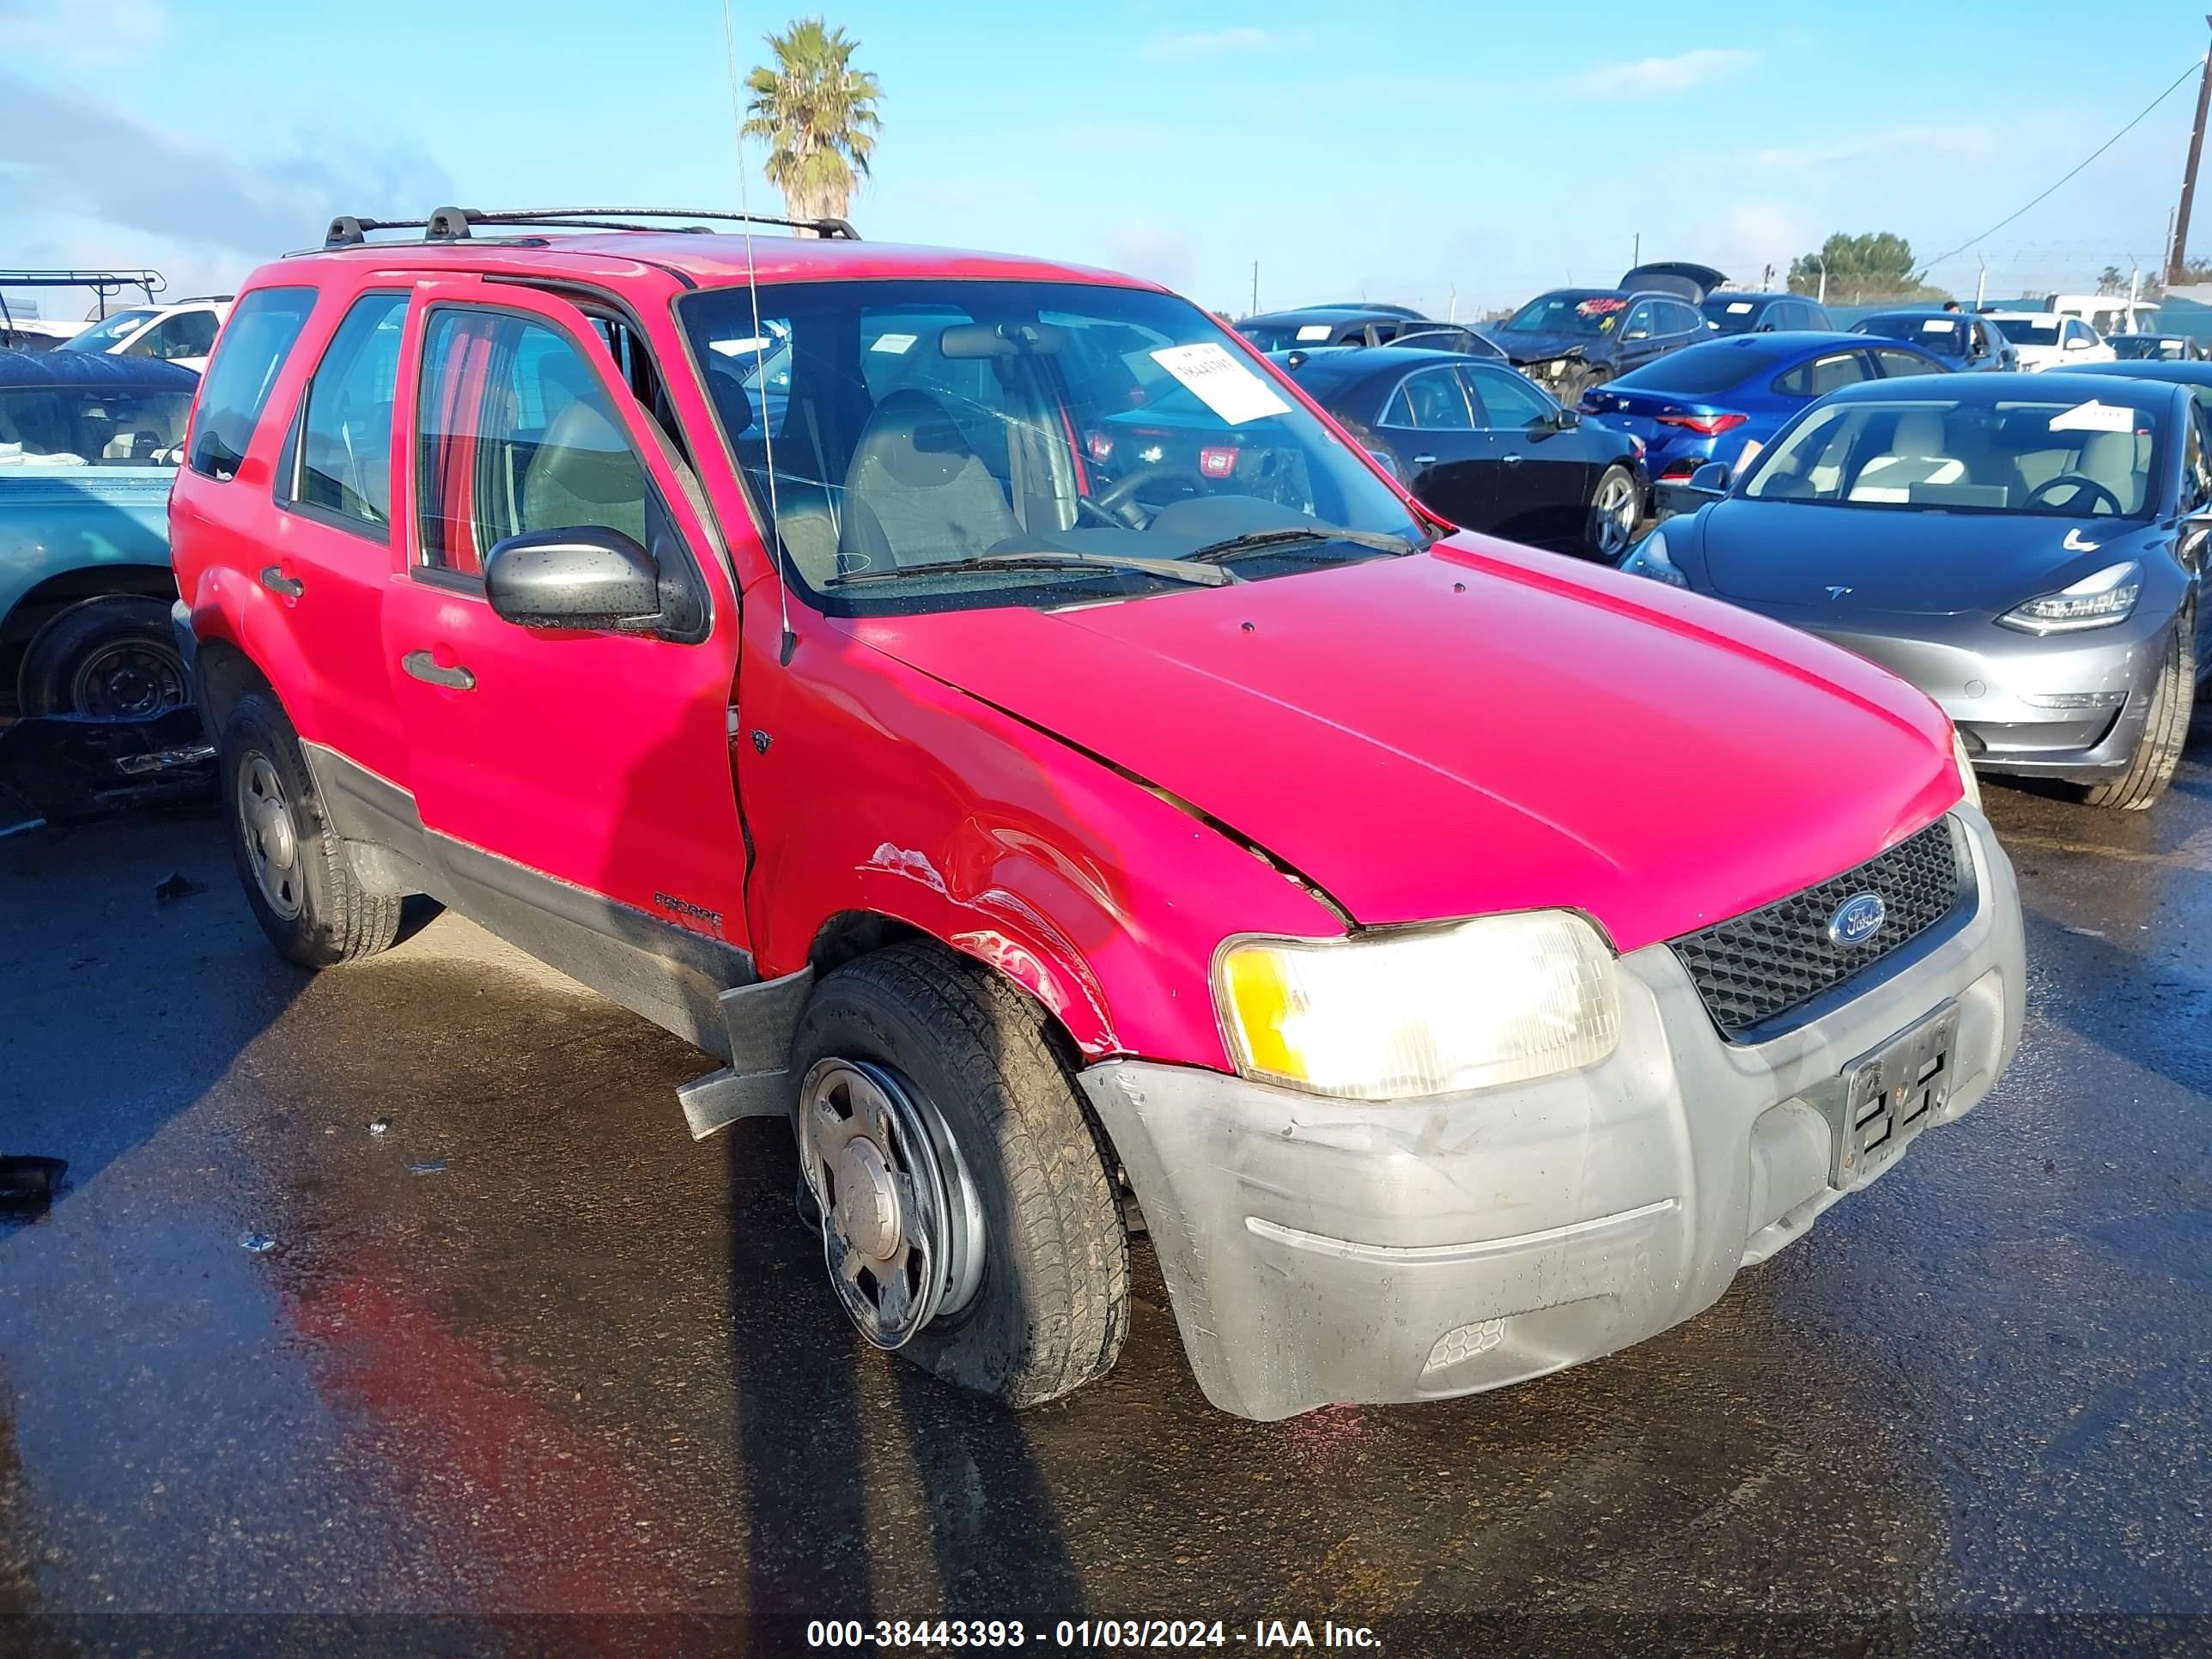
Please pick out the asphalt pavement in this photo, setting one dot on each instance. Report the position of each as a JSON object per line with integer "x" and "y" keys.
{"x": 398, "y": 1296}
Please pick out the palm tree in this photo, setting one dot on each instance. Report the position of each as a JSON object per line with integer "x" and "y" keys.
{"x": 818, "y": 115}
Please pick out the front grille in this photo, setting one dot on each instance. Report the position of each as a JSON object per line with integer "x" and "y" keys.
{"x": 1757, "y": 967}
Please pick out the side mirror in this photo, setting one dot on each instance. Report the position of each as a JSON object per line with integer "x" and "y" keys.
{"x": 2077, "y": 344}
{"x": 585, "y": 578}
{"x": 1566, "y": 420}
{"x": 1713, "y": 478}
{"x": 1387, "y": 462}
{"x": 1637, "y": 334}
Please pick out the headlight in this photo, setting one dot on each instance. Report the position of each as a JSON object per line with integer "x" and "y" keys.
{"x": 1649, "y": 558}
{"x": 1967, "y": 780}
{"x": 1411, "y": 1013}
{"x": 2096, "y": 601}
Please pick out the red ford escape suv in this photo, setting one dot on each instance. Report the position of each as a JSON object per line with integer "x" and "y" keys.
{"x": 1464, "y": 960}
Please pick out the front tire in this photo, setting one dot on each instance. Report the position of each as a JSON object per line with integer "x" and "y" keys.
{"x": 1615, "y": 506}
{"x": 114, "y": 657}
{"x": 2165, "y": 731}
{"x": 968, "y": 1219}
{"x": 292, "y": 864}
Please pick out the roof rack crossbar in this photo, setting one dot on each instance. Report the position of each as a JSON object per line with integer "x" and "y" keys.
{"x": 452, "y": 224}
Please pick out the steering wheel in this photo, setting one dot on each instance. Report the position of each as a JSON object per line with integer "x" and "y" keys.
{"x": 2098, "y": 492}
{"x": 1116, "y": 504}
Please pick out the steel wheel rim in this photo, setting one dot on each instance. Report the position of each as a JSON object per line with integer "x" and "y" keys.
{"x": 1615, "y": 504}
{"x": 265, "y": 828}
{"x": 127, "y": 678}
{"x": 902, "y": 1228}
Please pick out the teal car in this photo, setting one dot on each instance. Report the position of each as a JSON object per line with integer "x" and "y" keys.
{"x": 88, "y": 444}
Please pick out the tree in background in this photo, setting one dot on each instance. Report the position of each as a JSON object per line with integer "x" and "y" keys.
{"x": 818, "y": 116}
{"x": 1875, "y": 266}
{"x": 2110, "y": 281}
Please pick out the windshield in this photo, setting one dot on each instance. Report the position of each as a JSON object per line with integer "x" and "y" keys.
{"x": 2029, "y": 332}
{"x": 1945, "y": 334}
{"x": 2130, "y": 346}
{"x": 1731, "y": 313}
{"x": 920, "y": 423}
{"x": 83, "y": 426}
{"x": 1587, "y": 311}
{"x": 105, "y": 332}
{"x": 2063, "y": 457}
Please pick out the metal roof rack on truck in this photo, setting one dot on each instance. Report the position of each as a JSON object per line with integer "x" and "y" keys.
{"x": 105, "y": 283}
{"x": 453, "y": 224}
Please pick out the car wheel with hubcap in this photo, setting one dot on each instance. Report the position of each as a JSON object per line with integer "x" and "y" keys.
{"x": 1615, "y": 506}
{"x": 292, "y": 864}
{"x": 967, "y": 1220}
{"x": 2166, "y": 730}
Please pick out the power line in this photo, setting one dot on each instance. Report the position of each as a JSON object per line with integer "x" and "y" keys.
{"x": 2196, "y": 66}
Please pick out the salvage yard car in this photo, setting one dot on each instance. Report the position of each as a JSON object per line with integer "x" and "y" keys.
{"x": 88, "y": 444}
{"x": 1464, "y": 960}
{"x": 1571, "y": 339}
{"x": 2027, "y": 549}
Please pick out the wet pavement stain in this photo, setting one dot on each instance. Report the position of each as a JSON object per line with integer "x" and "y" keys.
{"x": 591, "y": 1367}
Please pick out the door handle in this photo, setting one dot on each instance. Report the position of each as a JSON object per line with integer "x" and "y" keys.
{"x": 1424, "y": 460}
{"x": 274, "y": 579}
{"x": 1510, "y": 459}
{"x": 425, "y": 667}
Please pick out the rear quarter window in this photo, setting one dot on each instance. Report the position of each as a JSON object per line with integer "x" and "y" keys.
{"x": 250, "y": 353}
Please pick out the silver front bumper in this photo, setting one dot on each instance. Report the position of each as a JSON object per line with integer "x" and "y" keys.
{"x": 1320, "y": 1251}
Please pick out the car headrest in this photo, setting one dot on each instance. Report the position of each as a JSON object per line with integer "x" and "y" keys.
{"x": 588, "y": 456}
{"x": 912, "y": 437}
{"x": 1920, "y": 433}
{"x": 733, "y": 402}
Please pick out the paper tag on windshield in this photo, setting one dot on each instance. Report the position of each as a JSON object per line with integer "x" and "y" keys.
{"x": 1223, "y": 384}
{"x": 1737, "y": 307}
{"x": 751, "y": 347}
{"x": 1314, "y": 331}
{"x": 2093, "y": 416}
{"x": 893, "y": 342}
{"x": 1938, "y": 325}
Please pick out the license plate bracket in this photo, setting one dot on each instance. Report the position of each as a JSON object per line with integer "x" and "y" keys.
{"x": 1881, "y": 1101}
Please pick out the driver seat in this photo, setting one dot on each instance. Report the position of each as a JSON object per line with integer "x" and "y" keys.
{"x": 916, "y": 493}
{"x": 1916, "y": 456}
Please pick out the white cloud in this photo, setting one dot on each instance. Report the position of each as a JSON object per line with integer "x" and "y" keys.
{"x": 1657, "y": 77}
{"x": 84, "y": 32}
{"x": 1205, "y": 43}
{"x": 1920, "y": 144}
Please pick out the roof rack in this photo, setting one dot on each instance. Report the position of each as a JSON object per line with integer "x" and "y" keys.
{"x": 105, "y": 283}
{"x": 455, "y": 224}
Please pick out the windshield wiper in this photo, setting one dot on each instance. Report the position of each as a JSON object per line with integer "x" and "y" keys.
{"x": 1204, "y": 575}
{"x": 1261, "y": 541}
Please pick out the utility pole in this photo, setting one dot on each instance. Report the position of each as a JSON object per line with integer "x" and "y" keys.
{"x": 1255, "y": 290}
{"x": 1823, "y": 259}
{"x": 2178, "y": 250}
{"x": 1981, "y": 281}
{"x": 1637, "y": 257}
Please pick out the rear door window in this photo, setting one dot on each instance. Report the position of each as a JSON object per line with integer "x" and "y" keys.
{"x": 263, "y": 330}
{"x": 1823, "y": 374}
{"x": 344, "y": 455}
{"x": 515, "y": 433}
{"x": 1432, "y": 401}
{"x": 1895, "y": 364}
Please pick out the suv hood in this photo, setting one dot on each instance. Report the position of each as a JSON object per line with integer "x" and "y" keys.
{"x": 1782, "y": 557}
{"x": 1528, "y": 345}
{"x": 1477, "y": 729}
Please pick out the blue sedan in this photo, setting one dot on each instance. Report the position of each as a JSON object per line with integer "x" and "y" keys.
{"x": 1723, "y": 400}
{"x": 1961, "y": 340}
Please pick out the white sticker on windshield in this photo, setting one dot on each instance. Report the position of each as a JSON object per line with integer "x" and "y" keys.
{"x": 1314, "y": 331}
{"x": 2093, "y": 416}
{"x": 1938, "y": 325}
{"x": 1223, "y": 384}
{"x": 895, "y": 344}
{"x": 740, "y": 347}
{"x": 1737, "y": 307}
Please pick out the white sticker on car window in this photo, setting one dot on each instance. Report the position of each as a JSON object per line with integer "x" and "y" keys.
{"x": 894, "y": 343}
{"x": 1937, "y": 325}
{"x": 1737, "y": 307}
{"x": 1312, "y": 332}
{"x": 1223, "y": 384}
{"x": 2093, "y": 416}
{"x": 1750, "y": 454}
{"x": 740, "y": 347}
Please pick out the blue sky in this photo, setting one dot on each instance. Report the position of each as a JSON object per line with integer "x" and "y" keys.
{"x": 1424, "y": 152}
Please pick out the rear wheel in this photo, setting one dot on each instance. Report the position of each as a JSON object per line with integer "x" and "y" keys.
{"x": 1615, "y": 506}
{"x": 293, "y": 864}
{"x": 2165, "y": 731}
{"x": 967, "y": 1222}
{"x": 114, "y": 657}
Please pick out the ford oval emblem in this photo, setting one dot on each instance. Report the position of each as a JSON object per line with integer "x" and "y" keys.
{"x": 1858, "y": 918}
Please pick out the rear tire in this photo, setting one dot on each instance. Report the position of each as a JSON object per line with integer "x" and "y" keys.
{"x": 115, "y": 657}
{"x": 1616, "y": 505}
{"x": 2166, "y": 732}
{"x": 1035, "y": 1259}
{"x": 292, "y": 864}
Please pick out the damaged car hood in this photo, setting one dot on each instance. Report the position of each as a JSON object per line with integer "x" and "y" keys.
{"x": 1476, "y": 729}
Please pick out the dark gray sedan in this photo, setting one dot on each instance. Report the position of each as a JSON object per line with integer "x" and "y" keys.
{"x": 2027, "y": 549}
